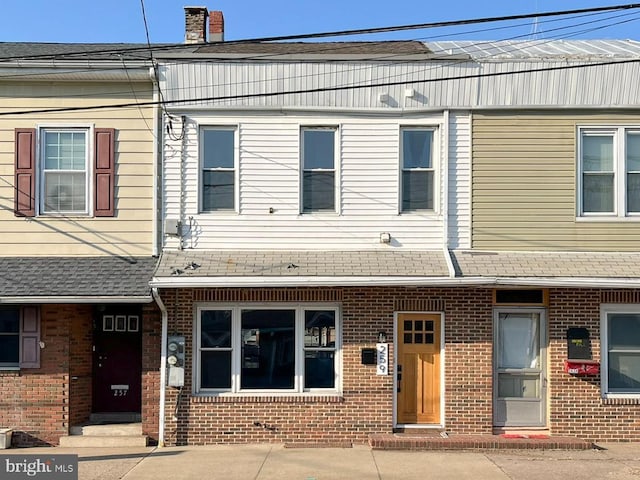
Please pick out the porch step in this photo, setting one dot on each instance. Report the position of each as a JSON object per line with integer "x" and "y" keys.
{"x": 110, "y": 435}
{"x": 431, "y": 441}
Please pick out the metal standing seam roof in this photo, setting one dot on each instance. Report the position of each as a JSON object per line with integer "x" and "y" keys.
{"x": 76, "y": 276}
{"x": 540, "y": 49}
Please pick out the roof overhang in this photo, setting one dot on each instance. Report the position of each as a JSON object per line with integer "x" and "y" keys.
{"x": 74, "y": 300}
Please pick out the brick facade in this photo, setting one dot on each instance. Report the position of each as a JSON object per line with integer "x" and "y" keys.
{"x": 40, "y": 404}
{"x": 575, "y": 406}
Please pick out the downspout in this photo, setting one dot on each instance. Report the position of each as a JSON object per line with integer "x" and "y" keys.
{"x": 445, "y": 196}
{"x": 163, "y": 363}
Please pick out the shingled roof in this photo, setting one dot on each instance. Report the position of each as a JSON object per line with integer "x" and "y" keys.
{"x": 75, "y": 276}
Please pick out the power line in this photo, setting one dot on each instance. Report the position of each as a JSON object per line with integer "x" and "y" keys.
{"x": 338, "y": 33}
{"x": 317, "y": 90}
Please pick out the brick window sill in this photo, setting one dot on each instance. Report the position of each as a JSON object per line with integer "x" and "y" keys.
{"x": 267, "y": 399}
{"x": 621, "y": 401}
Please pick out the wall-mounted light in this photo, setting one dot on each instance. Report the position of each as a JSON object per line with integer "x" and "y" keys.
{"x": 383, "y": 98}
{"x": 385, "y": 237}
{"x": 382, "y": 337}
{"x": 409, "y": 92}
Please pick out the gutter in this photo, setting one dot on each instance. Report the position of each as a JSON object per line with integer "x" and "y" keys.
{"x": 163, "y": 364}
{"x": 442, "y": 281}
{"x": 76, "y": 299}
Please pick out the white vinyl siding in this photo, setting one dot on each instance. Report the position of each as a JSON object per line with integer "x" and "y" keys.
{"x": 269, "y": 187}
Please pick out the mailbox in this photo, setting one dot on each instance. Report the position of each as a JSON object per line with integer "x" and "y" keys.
{"x": 579, "y": 359}
{"x": 582, "y": 367}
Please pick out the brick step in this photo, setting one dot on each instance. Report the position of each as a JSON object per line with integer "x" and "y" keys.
{"x": 414, "y": 441}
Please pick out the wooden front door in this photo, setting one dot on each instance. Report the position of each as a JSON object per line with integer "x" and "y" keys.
{"x": 418, "y": 368}
{"x": 117, "y": 363}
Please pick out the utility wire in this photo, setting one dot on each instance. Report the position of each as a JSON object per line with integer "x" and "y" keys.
{"x": 338, "y": 33}
{"x": 319, "y": 89}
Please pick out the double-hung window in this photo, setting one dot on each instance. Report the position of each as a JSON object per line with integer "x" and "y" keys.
{"x": 609, "y": 172}
{"x": 621, "y": 349}
{"x": 65, "y": 171}
{"x": 70, "y": 172}
{"x": 285, "y": 348}
{"x": 218, "y": 169}
{"x": 417, "y": 176}
{"x": 318, "y": 169}
{"x": 19, "y": 337}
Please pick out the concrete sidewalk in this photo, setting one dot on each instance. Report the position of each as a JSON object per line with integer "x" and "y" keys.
{"x": 264, "y": 462}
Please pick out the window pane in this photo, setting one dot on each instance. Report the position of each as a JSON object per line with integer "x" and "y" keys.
{"x": 319, "y": 369}
{"x": 319, "y": 149}
{"x": 624, "y": 372}
{"x": 416, "y": 148}
{"x": 597, "y": 193}
{"x": 65, "y": 150}
{"x": 64, "y": 192}
{"x": 633, "y": 152}
{"x": 318, "y": 191}
{"x": 215, "y": 329}
{"x": 218, "y": 146}
{"x": 215, "y": 368}
{"x": 518, "y": 338}
{"x": 268, "y": 349}
{"x": 217, "y": 190}
{"x": 597, "y": 153}
{"x": 9, "y": 349}
{"x": 417, "y": 190}
{"x": 9, "y": 321}
{"x": 518, "y": 386}
{"x": 320, "y": 328}
{"x": 624, "y": 331}
{"x": 633, "y": 192}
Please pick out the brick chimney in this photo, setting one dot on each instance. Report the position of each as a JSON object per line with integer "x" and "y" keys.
{"x": 216, "y": 27}
{"x": 195, "y": 24}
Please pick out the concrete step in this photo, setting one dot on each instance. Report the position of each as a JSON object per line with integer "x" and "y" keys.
{"x": 109, "y": 435}
{"x": 75, "y": 441}
{"x": 115, "y": 429}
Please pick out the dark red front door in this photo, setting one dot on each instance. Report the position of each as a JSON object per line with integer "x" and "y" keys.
{"x": 117, "y": 362}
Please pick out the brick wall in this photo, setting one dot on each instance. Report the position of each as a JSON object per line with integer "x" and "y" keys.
{"x": 80, "y": 361}
{"x": 575, "y": 405}
{"x": 151, "y": 331}
{"x": 35, "y": 402}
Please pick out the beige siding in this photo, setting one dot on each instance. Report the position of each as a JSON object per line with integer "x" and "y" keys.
{"x": 524, "y": 185}
{"x": 130, "y": 231}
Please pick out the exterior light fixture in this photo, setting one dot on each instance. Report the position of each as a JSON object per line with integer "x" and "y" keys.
{"x": 382, "y": 337}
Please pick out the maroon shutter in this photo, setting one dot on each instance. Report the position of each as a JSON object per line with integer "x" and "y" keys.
{"x": 25, "y": 194}
{"x": 104, "y": 172}
{"x": 30, "y": 337}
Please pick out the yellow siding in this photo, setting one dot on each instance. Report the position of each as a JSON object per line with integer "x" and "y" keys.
{"x": 130, "y": 231}
{"x": 524, "y": 184}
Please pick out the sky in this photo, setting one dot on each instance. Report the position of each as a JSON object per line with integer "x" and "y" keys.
{"x": 121, "y": 21}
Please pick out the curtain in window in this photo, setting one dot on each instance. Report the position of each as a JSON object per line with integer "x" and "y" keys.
{"x": 518, "y": 340}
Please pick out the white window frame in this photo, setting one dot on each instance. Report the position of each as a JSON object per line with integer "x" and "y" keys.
{"x": 435, "y": 167}
{"x": 40, "y": 170}
{"x": 336, "y": 169}
{"x": 619, "y": 135}
{"x": 605, "y": 309}
{"x": 236, "y": 368}
{"x": 236, "y": 170}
